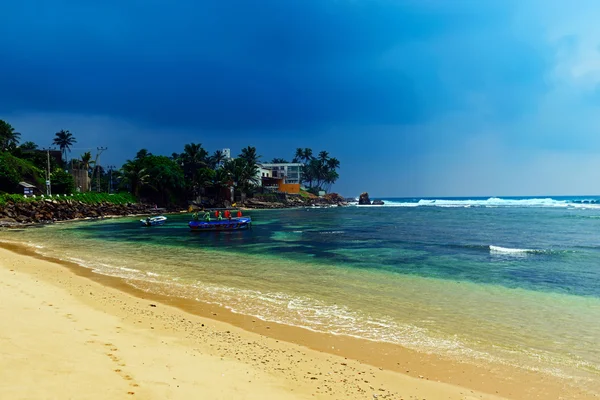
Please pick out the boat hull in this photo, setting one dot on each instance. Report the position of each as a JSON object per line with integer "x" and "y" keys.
{"x": 235, "y": 224}
{"x": 154, "y": 221}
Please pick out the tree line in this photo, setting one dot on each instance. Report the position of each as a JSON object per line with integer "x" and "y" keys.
{"x": 195, "y": 173}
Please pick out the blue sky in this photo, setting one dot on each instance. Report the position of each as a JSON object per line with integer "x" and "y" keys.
{"x": 415, "y": 97}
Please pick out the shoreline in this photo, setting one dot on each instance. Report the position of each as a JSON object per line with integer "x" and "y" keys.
{"x": 498, "y": 380}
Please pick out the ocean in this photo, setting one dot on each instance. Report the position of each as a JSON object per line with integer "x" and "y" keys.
{"x": 506, "y": 280}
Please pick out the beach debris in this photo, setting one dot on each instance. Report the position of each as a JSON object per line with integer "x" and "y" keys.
{"x": 152, "y": 305}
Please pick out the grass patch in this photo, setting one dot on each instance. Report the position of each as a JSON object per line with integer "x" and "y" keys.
{"x": 87, "y": 198}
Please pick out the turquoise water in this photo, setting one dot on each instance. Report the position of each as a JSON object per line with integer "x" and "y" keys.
{"x": 514, "y": 280}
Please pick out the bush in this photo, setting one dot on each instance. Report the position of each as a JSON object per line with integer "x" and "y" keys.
{"x": 14, "y": 170}
{"x": 88, "y": 198}
{"x": 62, "y": 182}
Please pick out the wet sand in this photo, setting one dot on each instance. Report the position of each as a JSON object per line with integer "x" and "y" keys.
{"x": 70, "y": 333}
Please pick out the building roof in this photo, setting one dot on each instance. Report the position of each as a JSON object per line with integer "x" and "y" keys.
{"x": 27, "y": 185}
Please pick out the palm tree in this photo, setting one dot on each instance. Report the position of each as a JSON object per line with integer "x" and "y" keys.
{"x": 217, "y": 158}
{"x": 64, "y": 139}
{"x": 323, "y": 155}
{"x": 193, "y": 158}
{"x": 307, "y": 155}
{"x": 333, "y": 163}
{"x": 249, "y": 154}
{"x": 28, "y": 146}
{"x": 86, "y": 160}
{"x": 298, "y": 156}
{"x": 143, "y": 153}
{"x": 243, "y": 174}
{"x": 8, "y": 137}
{"x": 278, "y": 161}
{"x": 134, "y": 176}
{"x": 330, "y": 178}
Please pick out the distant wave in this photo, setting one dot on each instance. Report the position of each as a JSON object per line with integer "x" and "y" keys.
{"x": 512, "y": 251}
{"x": 495, "y": 202}
{"x": 508, "y": 250}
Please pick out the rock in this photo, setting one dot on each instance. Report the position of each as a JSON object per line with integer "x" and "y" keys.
{"x": 364, "y": 199}
{"x": 7, "y": 221}
{"x": 378, "y": 203}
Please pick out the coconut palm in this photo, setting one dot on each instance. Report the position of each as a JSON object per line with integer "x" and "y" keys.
{"x": 134, "y": 176}
{"x": 333, "y": 163}
{"x": 86, "y": 160}
{"x": 217, "y": 158}
{"x": 299, "y": 155}
{"x": 249, "y": 154}
{"x": 193, "y": 158}
{"x": 278, "y": 161}
{"x": 243, "y": 174}
{"x": 28, "y": 146}
{"x": 64, "y": 140}
{"x": 8, "y": 137}
{"x": 143, "y": 153}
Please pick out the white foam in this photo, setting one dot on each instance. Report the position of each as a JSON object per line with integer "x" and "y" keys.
{"x": 491, "y": 202}
{"x": 508, "y": 250}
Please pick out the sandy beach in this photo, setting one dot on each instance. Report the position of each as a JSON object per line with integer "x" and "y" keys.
{"x": 64, "y": 335}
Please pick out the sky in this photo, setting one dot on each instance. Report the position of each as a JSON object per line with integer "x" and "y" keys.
{"x": 415, "y": 98}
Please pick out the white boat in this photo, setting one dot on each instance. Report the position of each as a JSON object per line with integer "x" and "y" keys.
{"x": 153, "y": 221}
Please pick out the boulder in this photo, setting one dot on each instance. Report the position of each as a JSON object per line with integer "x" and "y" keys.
{"x": 364, "y": 199}
{"x": 378, "y": 202}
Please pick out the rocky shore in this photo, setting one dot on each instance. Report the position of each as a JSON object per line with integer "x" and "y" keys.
{"x": 283, "y": 200}
{"x": 364, "y": 200}
{"x": 64, "y": 209}
{"x": 52, "y": 210}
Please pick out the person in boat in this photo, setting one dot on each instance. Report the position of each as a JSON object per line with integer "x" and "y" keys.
{"x": 147, "y": 220}
{"x": 206, "y": 216}
{"x": 195, "y": 216}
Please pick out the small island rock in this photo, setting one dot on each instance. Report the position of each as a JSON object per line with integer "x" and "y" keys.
{"x": 364, "y": 199}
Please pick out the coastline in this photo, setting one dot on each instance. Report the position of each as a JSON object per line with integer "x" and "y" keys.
{"x": 398, "y": 371}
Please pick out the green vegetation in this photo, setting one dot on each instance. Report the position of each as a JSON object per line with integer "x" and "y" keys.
{"x": 14, "y": 170}
{"x": 87, "y": 198}
{"x": 320, "y": 172}
{"x": 8, "y": 137}
{"x": 195, "y": 174}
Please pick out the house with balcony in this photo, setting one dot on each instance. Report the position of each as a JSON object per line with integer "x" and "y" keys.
{"x": 281, "y": 177}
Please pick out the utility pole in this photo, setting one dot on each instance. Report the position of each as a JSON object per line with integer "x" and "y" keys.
{"x": 48, "y": 187}
{"x": 110, "y": 170}
{"x": 99, "y": 151}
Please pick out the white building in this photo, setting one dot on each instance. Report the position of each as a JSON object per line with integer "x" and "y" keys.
{"x": 290, "y": 172}
{"x": 227, "y": 154}
{"x": 264, "y": 172}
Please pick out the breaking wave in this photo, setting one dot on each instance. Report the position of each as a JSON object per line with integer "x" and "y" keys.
{"x": 495, "y": 202}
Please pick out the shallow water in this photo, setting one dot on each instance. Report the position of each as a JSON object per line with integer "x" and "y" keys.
{"x": 516, "y": 283}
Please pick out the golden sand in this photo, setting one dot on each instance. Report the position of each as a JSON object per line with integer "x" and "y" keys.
{"x": 69, "y": 333}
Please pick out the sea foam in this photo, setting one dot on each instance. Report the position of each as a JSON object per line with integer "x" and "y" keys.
{"x": 492, "y": 202}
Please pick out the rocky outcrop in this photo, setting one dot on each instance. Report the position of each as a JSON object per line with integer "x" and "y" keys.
{"x": 363, "y": 199}
{"x": 48, "y": 210}
{"x": 283, "y": 200}
{"x": 377, "y": 203}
